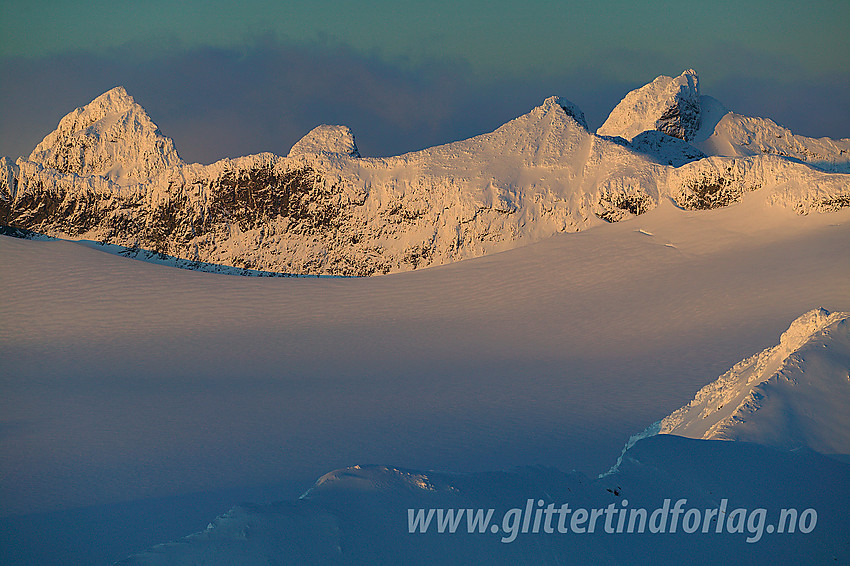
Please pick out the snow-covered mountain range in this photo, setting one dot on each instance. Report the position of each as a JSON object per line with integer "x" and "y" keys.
{"x": 107, "y": 174}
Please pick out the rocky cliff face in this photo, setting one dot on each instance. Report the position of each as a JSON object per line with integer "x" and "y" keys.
{"x": 107, "y": 174}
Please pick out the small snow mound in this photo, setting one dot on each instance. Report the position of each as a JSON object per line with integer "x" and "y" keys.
{"x": 670, "y": 105}
{"x": 326, "y": 139}
{"x": 807, "y": 325}
{"x": 375, "y": 478}
{"x": 572, "y": 109}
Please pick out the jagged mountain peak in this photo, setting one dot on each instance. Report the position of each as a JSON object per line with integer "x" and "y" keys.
{"x": 112, "y": 136}
{"x": 116, "y": 98}
{"x": 667, "y": 104}
{"x": 326, "y": 139}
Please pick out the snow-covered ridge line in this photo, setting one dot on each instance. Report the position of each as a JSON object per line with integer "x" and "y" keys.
{"x": 107, "y": 174}
{"x": 791, "y": 395}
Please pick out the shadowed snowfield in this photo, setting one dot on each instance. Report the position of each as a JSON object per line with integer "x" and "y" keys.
{"x": 124, "y": 380}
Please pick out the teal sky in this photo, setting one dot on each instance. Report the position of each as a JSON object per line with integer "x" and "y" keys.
{"x": 226, "y": 78}
{"x": 498, "y": 37}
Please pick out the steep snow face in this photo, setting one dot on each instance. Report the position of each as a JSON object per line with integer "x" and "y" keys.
{"x": 666, "y": 149}
{"x": 112, "y": 137}
{"x": 332, "y": 139}
{"x": 572, "y": 110}
{"x": 736, "y": 135}
{"x": 794, "y": 394}
{"x": 667, "y": 104}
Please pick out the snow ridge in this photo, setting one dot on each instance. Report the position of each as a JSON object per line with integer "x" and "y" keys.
{"x": 737, "y": 136}
{"x": 791, "y": 395}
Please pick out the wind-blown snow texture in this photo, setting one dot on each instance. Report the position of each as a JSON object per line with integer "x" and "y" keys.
{"x": 106, "y": 174}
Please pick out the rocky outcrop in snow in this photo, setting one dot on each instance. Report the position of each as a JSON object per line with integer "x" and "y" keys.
{"x": 111, "y": 137}
{"x": 675, "y": 107}
{"x": 791, "y": 395}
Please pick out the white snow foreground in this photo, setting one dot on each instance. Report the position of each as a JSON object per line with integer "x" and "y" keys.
{"x": 359, "y": 515}
{"x": 783, "y": 406}
{"x": 106, "y": 174}
{"x": 793, "y": 395}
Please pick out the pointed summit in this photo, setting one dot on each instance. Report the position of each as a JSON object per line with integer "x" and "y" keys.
{"x": 667, "y": 104}
{"x": 572, "y": 109}
{"x": 112, "y": 136}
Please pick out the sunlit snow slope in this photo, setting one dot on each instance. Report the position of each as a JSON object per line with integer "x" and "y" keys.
{"x": 794, "y": 394}
{"x": 123, "y": 379}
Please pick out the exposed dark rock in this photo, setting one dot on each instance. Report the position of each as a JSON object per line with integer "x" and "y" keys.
{"x": 618, "y": 206}
{"x": 681, "y": 120}
{"x": 665, "y": 149}
{"x": 710, "y": 191}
